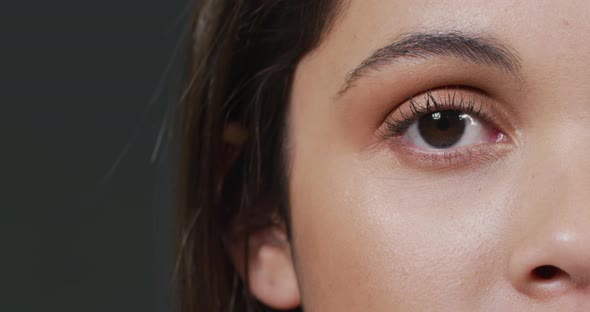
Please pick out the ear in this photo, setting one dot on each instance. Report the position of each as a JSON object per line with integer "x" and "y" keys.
{"x": 271, "y": 271}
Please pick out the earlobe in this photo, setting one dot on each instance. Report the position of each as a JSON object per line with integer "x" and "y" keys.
{"x": 271, "y": 272}
{"x": 272, "y": 278}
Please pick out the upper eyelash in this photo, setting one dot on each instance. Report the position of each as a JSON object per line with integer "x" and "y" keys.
{"x": 455, "y": 100}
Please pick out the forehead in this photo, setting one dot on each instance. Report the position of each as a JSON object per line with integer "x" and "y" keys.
{"x": 540, "y": 31}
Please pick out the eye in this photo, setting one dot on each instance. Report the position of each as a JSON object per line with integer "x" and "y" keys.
{"x": 448, "y": 129}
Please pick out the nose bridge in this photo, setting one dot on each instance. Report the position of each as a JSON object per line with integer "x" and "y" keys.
{"x": 557, "y": 174}
{"x": 553, "y": 251}
{"x": 572, "y": 156}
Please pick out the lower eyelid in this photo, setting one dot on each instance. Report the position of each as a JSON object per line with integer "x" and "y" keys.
{"x": 455, "y": 157}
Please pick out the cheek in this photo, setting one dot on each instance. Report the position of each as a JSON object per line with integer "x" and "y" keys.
{"x": 369, "y": 236}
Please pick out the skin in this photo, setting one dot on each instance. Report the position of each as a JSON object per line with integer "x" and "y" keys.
{"x": 377, "y": 229}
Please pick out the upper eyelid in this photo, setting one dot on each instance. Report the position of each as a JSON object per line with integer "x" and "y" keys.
{"x": 450, "y": 100}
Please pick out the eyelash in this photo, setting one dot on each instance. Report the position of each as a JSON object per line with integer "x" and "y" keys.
{"x": 455, "y": 101}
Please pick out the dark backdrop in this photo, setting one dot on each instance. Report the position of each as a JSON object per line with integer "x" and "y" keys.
{"x": 86, "y": 222}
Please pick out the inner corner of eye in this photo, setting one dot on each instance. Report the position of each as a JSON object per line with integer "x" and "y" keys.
{"x": 500, "y": 137}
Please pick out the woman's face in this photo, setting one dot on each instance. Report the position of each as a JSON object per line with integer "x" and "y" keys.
{"x": 449, "y": 171}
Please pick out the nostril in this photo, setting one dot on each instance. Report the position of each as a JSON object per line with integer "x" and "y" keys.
{"x": 548, "y": 273}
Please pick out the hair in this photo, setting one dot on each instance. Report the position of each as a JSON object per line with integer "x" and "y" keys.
{"x": 242, "y": 59}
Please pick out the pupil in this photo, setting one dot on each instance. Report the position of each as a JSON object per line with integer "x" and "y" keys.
{"x": 442, "y": 129}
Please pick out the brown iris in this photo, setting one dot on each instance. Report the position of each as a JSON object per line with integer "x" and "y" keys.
{"x": 442, "y": 129}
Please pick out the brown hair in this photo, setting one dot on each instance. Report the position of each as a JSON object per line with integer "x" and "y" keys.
{"x": 242, "y": 60}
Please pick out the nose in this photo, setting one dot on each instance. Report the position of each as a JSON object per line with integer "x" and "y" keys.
{"x": 552, "y": 256}
{"x": 552, "y": 264}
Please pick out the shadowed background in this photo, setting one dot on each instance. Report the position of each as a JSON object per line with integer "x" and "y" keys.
{"x": 86, "y": 222}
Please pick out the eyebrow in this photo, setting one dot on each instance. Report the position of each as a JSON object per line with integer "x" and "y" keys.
{"x": 470, "y": 48}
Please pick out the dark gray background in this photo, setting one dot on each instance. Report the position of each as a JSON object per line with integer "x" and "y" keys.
{"x": 86, "y": 221}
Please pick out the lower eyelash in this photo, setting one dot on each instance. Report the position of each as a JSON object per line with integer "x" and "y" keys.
{"x": 481, "y": 154}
